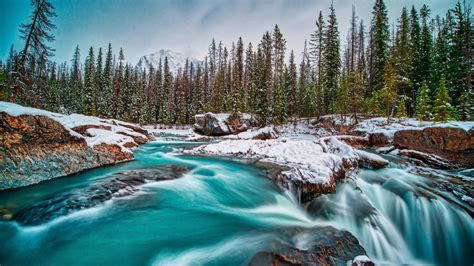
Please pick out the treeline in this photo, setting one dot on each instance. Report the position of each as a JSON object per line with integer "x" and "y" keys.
{"x": 421, "y": 66}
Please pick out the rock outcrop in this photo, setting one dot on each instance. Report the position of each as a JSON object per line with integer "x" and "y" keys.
{"x": 325, "y": 246}
{"x": 34, "y": 148}
{"x": 211, "y": 124}
{"x": 452, "y": 144}
{"x": 121, "y": 185}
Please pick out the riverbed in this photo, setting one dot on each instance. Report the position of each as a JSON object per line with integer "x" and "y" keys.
{"x": 222, "y": 211}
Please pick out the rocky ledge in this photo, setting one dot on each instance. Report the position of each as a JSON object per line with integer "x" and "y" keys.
{"x": 36, "y": 145}
{"x": 455, "y": 145}
{"x": 446, "y": 145}
{"x": 323, "y": 246}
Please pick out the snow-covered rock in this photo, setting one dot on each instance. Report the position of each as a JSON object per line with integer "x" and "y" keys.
{"x": 211, "y": 124}
{"x": 38, "y": 145}
{"x": 175, "y": 60}
{"x": 309, "y": 168}
{"x": 371, "y": 160}
{"x": 361, "y": 260}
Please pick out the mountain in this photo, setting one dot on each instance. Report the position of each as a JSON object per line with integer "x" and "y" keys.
{"x": 175, "y": 60}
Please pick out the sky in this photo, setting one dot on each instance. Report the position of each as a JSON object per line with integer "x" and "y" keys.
{"x": 145, "y": 26}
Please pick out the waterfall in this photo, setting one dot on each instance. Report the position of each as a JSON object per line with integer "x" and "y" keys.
{"x": 397, "y": 219}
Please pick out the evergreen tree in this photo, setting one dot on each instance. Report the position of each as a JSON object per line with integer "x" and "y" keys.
{"x": 331, "y": 62}
{"x": 89, "y": 84}
{"x": 36, "y": 34}
{"x": 442, "y": 104}
{"x": 108, "y": 84}
{"x": 423, "y": 103}
{"x": 291, "y": 87}
{"x": 238, "y": 78}
{"x": 402, "y": 54}
{"x": 416, "y": 54}
{"x": 381, "y": 37}
{"x": 425, "y": 48}
{"x": 317, "y": 46}
{"x": 400, "y": 108}
{"x": 466, "y": 106}
{"x": 99, "y": 84}
{"x": 74, "y": 99}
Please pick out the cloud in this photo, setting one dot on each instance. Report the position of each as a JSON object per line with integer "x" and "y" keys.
{"x": 145, "y": 26}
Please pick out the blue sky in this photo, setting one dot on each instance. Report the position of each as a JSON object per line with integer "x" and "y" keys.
{"x": 145, "y": 26}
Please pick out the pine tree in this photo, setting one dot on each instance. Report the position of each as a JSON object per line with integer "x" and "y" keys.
{"x": 108, "y": 84}
{"x": 381, "y": 37}
{"x": 291, "y": 85}
{"x": 36, "y": 34}
{"x": 3, "y": 85}
{"x": 426, "y": 43}
{"x": 400, "y": 108}
{"x": 99, "y": 85}
{"x": 317, "y": 46}
{"x": 167, "y": 89}
{"x": 331, "y": 62}
{"x": 89, "y": 84}
{"x": 466, "y": 106}
{"x": 402, "y": 54}
{"x": 442, "y": 104}
{"x": 306, "y": 93}
{"x": 238, "y": 78}
{"x": 416, "y": 56}
{"x": 423, "y": 103}
{"x": 74, "y": 100}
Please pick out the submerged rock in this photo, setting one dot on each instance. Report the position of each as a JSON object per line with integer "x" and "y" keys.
{"x": 121, "y": 185}
{"x": 321, "y": 246}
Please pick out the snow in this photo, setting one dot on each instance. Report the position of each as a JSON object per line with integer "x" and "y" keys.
{"x": 101, "y": 136}
{"x": 253, "y": 133}
{"x": 306, "y": 159}
{"x": 176, "y": 60}
{"x": 359, "y": 260}
{"x": 94, "y": 136}
{"x": 367, "y": 156}
{"x": 181, "y": 131}
{"x": 389, "y": 127}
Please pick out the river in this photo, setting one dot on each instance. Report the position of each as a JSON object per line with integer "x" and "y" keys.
{"x": 222, "y": 211}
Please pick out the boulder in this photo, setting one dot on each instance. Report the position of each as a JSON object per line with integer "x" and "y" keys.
{"x": 452, "y": 144}
{"x": 378, "y": 139}
{"x": 371, "y": 160}
{"x": 211, "y": 124}
{"x": 34, "y": 148}
{"x": 120, "y": 185}
{"x": 323, "y": 246}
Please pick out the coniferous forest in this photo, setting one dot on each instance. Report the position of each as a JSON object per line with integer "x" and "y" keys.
{"x": 417, "y": 66}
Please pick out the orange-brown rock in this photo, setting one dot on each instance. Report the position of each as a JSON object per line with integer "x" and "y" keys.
{"x": 452, "y": 144}
{"x": 37, "y": 148}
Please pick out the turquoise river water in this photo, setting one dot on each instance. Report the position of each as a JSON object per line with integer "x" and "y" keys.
{"x": 223, "y": 211}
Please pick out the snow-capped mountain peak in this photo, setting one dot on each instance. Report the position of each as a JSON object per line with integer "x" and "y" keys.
{"x": 176, "y": 60}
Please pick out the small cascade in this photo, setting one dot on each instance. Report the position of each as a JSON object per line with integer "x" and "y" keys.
{"x": 398, "y": 219}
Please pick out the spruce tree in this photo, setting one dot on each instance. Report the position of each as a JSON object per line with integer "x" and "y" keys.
{"x": 442, "y": 105}
{"x": 291, "y": 87}
{"x": 331, "y": 62}
{"x": 36, "y": 34}
{"x": 381, "y": 37}
{"x": 74, "y": 100}
{"x": 99, "y": 85}
{"x": 89, "y": 84}
{"x": 108, "y": 78}
{"x": 423, "y": 103}
{"x": 465, "y": 106}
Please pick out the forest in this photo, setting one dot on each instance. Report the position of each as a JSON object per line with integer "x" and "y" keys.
{"x": 418, "y": 66}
